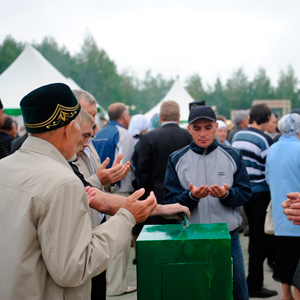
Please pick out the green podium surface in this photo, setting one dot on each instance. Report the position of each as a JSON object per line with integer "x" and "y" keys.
{"x": 187, "y": 264}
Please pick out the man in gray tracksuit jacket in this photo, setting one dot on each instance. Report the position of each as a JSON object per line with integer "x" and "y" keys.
{"x": 211, "y": 179}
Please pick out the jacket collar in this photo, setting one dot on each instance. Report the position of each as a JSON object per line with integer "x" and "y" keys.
{"x": 288, "y": 138}
{"x": 41, "y": 146}
{"x": 169, "y": 124}
{"x": 209, "y": 149}
{"x": 114, "y": 123}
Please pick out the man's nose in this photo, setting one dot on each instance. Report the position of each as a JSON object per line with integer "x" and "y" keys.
{"x": 202, "y": 132}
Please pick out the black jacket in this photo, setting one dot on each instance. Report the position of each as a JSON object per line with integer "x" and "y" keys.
{"x": 3, "y": 149}
{"x": 17, "y": 143}
{"x": 152, "y": 157}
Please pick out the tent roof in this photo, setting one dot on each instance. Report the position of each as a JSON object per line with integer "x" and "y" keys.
{"x": 179, "y": 94}
{"x": 29, "y": 71}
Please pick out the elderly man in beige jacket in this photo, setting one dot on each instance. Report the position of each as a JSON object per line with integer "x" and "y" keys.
{"x": 48, "y": 248}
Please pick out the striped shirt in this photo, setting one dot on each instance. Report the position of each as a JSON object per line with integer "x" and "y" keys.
{"x": 254, "y": 145}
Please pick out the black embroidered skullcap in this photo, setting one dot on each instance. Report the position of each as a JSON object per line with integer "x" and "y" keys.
{"x": 1, "y": 105}
{"x": 49, "y": 107}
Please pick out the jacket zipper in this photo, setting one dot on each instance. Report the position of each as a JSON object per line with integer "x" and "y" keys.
{"x": 204, "y": 154}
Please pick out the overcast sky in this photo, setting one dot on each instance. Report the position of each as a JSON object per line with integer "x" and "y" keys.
{"x": 175, "y": 38}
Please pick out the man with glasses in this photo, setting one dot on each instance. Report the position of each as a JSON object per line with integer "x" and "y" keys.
{"x": 97, "y": 174}
{"x": 110, "y": 141}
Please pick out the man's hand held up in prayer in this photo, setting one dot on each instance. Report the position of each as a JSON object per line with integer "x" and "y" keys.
{"x": 219, "y": 191}
{"x": 140, "y": 209}
{"x": 116, "y": 173}
{"x": 291, "y": 207}
{"x": 205, "y": 190}
{"x": 200, "y": 192}
{"x": 110, "y": 204}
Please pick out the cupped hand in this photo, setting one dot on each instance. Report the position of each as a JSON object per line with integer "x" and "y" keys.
{"x": 200, "y": 192}
{"x": 140, "y": 209}
{"x": 218, "y": 191}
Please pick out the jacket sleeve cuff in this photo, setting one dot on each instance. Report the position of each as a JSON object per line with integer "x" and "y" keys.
{"x": 95, "y": 182}
{"x": 193, "y": 198}
{"x": 128, "y": 215}
{"x": 221, "y": 198}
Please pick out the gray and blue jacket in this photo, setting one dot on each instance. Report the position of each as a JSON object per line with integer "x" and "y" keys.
{"x": 216, "y": 164}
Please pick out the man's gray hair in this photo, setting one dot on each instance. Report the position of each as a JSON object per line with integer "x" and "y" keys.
{"x": 86, "y": 117}
{"x": 116, "y": 110}
{"x": 240, "y": 116}
{"x": 84, "y": 95}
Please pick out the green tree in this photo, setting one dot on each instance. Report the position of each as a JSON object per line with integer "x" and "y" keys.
{"x": 237, "y": 91}
{"x": 218, "y": 98}
{"x": 152, "y": 90}
{"x": 130, "y": 93}
{"x": 10, "y": 49}
{"x": 195, "y": 87}
{"x": 59, "y": 57}
{"x": 287, "y": 86}
{"x": 260, "y": 87}
{"x": 97, "y": 74}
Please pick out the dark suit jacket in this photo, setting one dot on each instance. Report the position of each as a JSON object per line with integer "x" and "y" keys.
{"x": 3, "y": 149}
{"x": 17, "y": 143}
{"x": 231, "y": 134}
{"x": 151, "y": 159}
{"x": 7, "y": 139}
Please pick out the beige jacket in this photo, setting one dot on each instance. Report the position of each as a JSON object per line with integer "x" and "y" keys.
{"x": 85, "y": 167}
{"x": 48, "y": 248}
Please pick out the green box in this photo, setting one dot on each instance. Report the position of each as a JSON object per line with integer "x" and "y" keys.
{"x": 187, "y": 264}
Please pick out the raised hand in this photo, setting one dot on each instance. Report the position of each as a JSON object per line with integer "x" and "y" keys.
{"x": 140, "y": 209}
{"x": 200, "y": 192}
{"x": 218, "y": 191}
{"x": 291, "y": 207}
{"x": 116, "y": 173}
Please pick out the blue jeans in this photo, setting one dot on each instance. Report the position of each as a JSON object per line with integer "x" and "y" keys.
{"x": 240, "y": 289}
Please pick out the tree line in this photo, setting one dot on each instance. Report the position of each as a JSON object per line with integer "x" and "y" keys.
{"x": 95, "y": 72}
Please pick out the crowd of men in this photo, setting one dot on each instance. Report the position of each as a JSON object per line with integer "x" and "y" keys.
{"x": 49, "y": 249}
{"x": 69, "y": 199}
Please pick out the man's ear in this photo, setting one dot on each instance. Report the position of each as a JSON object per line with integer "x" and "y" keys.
{"x": 124, "y": 117}
{"x": 68, "y": 128}
{"x": 217, "y": 125}
{"x": 189, "y": 129}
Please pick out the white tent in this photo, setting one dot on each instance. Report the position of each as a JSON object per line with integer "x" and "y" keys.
{"x": 179, "y": 94}
{"x": 29, "y": 71}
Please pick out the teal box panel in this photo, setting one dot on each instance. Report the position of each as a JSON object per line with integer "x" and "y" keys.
{"x": 175, "y": 263}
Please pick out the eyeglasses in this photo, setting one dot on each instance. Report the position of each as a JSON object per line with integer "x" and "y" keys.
{"x": 87, "y": 137}
{"x": 91, "y": 138}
